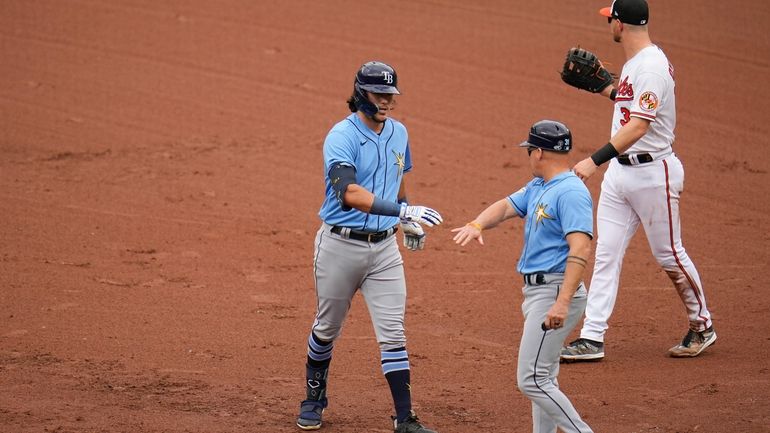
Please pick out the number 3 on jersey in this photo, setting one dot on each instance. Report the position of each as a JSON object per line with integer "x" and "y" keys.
{"x": 626, "y": 116}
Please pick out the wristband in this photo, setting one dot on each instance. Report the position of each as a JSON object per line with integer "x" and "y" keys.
{"x": 606, "y": 153}
{"x": 475, "y": 225}
{"x": 613, "y": 93}
{"x": 385, "y": 208}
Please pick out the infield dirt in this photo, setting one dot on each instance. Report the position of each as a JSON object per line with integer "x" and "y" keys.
{"x": 161, "y": 174}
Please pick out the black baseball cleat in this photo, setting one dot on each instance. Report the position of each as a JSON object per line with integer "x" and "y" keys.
{"x": 310, "y": 412}
{"x": 410, "y": 425}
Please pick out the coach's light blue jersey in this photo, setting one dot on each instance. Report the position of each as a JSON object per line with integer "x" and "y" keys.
{"x": 380, "y": 162}
{"x": 551, "y": 210}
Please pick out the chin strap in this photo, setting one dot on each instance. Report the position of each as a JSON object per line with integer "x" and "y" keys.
{"x": 363, "y": 103}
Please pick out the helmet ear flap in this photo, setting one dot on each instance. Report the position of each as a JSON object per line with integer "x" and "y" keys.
{"x": 361, "y": 101}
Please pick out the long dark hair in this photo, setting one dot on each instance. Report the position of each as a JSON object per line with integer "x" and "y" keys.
{"x": 352, "y": 103}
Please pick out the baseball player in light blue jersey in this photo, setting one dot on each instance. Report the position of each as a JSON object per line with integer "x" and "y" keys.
{"x": 558, "y": 228}
{"x": 366, "y": 156}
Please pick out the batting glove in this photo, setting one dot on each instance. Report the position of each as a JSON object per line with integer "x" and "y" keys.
{"x": 420, "y": 214}
{"x": 414, "y": 235}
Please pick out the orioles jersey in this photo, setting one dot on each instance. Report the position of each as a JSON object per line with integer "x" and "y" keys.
{"x": 646, "y": 90}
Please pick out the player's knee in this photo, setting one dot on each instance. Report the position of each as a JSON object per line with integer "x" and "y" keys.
{"x": 530, "y": 385}
{"x": 391, "y": 338}
{"x": 667, "y": 261}
{"x": 527, "y": 387}
{"x": 327, "y": 332}
{"x": 392, "y": 344}
{"x": 524, "y": 381}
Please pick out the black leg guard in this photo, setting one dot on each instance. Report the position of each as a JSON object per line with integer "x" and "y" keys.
{"x": 316, "y": 382}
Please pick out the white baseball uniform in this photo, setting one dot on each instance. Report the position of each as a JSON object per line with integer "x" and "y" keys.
{"x": 644, "y": 190}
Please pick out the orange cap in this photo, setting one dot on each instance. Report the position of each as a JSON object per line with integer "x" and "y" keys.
{"x": 607, "y": 12}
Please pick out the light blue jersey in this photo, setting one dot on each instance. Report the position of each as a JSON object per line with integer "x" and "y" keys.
{"x": 552, "y": 210}
{"x": 380, "y": 162}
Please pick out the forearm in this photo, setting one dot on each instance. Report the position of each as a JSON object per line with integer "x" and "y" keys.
{"x": 495, "y": 214}
{"x": 359, "y": 198}
{"x": 402, "y": 190}
{"x": 626, "y": 136}
{"x": 573, "y": 275}
{"x": 629, "y": 134}
{"x": 577, "y": 260}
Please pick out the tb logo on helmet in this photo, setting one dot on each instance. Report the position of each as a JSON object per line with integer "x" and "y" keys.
{"x": 375, "y": 77}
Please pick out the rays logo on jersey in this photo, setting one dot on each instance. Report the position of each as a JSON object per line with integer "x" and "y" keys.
{"x": 399, "y": 161}
{"x": 541, "y": 214}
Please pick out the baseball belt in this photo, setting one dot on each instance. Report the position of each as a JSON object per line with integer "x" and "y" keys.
{"x": 538, "y": 279}
{"x": 641, "y": 158}
{"x": 372, "y": 237}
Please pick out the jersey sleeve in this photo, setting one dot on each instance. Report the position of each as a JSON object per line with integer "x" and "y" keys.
{"x": 649, "y": 88}
{"x": 339, "y": 148}
{"x": 519, "y": 200}
{"x": 407, "y": 158}
{"x": 399, "y": 130}
{"x": 576, "y": 212}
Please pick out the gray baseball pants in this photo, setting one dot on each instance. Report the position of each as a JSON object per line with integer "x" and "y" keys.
{"x": 342, "y": 267}
{"x": 539, "y": 353}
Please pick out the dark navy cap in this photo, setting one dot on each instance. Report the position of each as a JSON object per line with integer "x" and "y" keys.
{"x": 635, "y": 12}
{"x": 549, "y": 135}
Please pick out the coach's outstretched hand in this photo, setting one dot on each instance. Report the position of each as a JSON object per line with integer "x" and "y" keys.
{"x": 420, "y": 214}
{"x": 467, "y": 233}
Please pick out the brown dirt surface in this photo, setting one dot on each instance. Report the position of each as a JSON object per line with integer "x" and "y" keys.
{"x": 161, "y": 174}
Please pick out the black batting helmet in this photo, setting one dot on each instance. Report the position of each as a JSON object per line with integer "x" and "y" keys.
{"x": 375, "y": 77}
{"x": 549, "y": 135}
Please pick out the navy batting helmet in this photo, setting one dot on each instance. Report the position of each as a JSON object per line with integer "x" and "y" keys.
{"x": 549, "y": 135}
{"x": 375, "y": 77}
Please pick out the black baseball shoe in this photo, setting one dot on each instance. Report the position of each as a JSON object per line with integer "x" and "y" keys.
{"x": 410, "y": 425}
{"x": 310, "y": 412}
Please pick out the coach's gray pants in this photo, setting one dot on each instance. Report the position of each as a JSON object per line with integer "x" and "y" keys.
{"x": 342, "y": 266}
{"x": 539, "y": 352}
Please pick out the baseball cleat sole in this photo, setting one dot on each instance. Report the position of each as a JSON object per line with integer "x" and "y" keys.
{"x": 594, "y": 357}
{"x": 311, "y": 423}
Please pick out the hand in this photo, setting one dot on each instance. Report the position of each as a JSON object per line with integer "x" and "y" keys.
{"x": 585, "y": 168}
{"x": 556, "y": 316}
{"x": 466, "y": 234}
{"x": 420, "y": 214}
{"x": 414, "y": 235}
